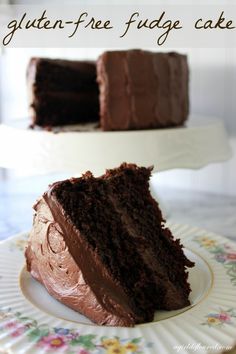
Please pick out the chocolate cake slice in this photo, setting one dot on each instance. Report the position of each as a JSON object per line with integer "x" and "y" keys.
{"x": 62, "y": 92}
{"x": 99, "y": 245}
{"x": 142, "y": 90}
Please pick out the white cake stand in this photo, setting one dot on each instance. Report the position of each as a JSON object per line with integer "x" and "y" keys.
{"x": 201, "y": 142}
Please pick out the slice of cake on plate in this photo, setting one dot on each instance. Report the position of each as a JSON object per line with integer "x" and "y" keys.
{"x": 99, "y": 245}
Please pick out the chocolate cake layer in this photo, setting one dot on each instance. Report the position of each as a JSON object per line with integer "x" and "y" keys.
{"x": 142, "y": 90}
{"x": 99, "y": 246}
{"x": 62, "y": 92}
{"x": 62, "y": 108}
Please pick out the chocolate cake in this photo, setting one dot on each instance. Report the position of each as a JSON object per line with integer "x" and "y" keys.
{"x": 99, "y": 245}
{"x": 137, "y": 90}
{"x": 142, "y": 90}
{"x": 62, "y": 92}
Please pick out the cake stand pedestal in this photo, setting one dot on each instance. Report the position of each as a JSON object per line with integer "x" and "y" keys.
{"x": 201, "y": 142}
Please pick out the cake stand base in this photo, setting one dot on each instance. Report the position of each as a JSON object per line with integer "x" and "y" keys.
{"x": 201, "y": 142}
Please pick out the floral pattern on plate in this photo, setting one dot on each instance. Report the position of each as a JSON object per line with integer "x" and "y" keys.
{"x": 220, "y": 318}
{"x": 223, "y": 253}
{"x": 69, "y": 340}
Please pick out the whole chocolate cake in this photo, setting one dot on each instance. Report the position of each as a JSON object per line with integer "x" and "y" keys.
{"x": 99, "y": 245}
{"x": 142, "y": 90}
{"x": 62, "y": 92}
{"x": 135, "y": 89}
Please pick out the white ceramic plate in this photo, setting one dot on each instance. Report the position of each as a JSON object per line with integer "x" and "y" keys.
{"x": 31, "y": 321}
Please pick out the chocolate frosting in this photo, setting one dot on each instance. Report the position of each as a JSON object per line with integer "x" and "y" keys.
{"x": 141, "y": 90}
{"x": 70, "y": 270}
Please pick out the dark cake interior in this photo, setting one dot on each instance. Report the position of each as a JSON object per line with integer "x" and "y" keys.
{"x": 62, "y": 92}
{"x": 118, "y": 221}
